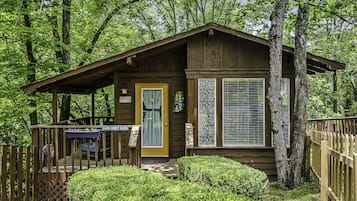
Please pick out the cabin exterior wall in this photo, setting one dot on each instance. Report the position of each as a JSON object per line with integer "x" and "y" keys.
{"x": 165, "y": 67}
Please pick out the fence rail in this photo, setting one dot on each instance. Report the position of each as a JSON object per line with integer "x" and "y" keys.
{"x": 333, "y": 146}
{"x": 16, "y": 173}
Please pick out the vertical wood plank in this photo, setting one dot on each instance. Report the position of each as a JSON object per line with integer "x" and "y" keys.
{"x": 4, "y": 173}
{"x": 35, "y": 173}
{"x": 28, "y": 173}
{"x": 112, "y": 147}
{"x": 40, "y": 145}
{"x": 96, "y": 152}
{"x": 12, "y": 172}
{"x": 346, "y": 183}
{"x": 19, "y": 172}
{"x": 48, "y": 154}
{"x": 104, "y": 143}
{"x": 307, "y": 148}
{"x": 324, "y": 171}
{"x": 80, "y": 142}
{"x": 56, "y": 151}
{"x": 64, "y": 152}
{"x": 355, "y": 175}
{"x": 72, "y": 154}
{"x": 88, "y": 154}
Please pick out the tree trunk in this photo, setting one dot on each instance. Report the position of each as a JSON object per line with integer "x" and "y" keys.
{"x": 334, "y": 90}
{"x": 300, "y": 105}
{"x": 66, "y": 57}
{"x": 31, "y": 70}
{"x": 275, "y": 99}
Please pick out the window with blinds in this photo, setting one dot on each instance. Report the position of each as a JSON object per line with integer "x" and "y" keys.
{"x": 207, "y": 112}
{"x": 243, "y": 112}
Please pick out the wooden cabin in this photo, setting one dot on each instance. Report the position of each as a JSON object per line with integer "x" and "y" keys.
{"x": 211, "y": 79}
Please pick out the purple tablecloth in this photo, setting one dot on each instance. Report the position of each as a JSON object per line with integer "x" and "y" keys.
{"x": 71, "y": 134}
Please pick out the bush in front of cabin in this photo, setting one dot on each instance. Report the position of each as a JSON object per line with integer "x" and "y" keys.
{"x": 225, "y": 174}
{"x": 130, "y": 183}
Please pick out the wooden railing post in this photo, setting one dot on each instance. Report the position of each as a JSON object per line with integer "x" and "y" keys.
{"x": 134, "y": 146}
{"x": 355, "y": 174}
{"x": 307, "y": 156}
{"x": 324, "y": 170}
{"x": 189, "y": 138}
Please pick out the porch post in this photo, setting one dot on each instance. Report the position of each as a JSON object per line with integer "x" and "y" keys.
{"x": 93, "y": 108}
{"x": 117, "y": 138}
{"x": 116, "y": 98}
{"x": 54, "y": 106}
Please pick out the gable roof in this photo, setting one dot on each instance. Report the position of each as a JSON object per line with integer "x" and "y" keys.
{"x": 315, "y": 63}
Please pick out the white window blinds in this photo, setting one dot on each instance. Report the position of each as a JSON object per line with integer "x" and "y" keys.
{"x": 243, "y": 111}
{"x": 207, "y": 112}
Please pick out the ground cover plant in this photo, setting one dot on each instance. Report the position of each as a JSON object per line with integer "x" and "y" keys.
{"x": 224, "y": 174}
{"x": 307, "y": 191}
{"x": 130, "y": 183}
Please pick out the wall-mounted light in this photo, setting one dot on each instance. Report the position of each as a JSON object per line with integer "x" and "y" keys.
{"x": 124, "y": 89}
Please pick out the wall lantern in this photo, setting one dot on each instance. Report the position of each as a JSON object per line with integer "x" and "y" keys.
{"x": 124, "y": 90}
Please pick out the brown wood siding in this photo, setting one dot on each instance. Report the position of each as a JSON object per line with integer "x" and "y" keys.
{"x": 259, "y": 158}
{"x": 166, "y": 67}
{"x": 225, "y": 52}
{"x": 224, "y": 56}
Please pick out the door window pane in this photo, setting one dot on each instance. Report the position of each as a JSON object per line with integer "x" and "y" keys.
{"x": 152, "y": 129}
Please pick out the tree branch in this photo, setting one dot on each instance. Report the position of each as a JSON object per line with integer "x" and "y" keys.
{"x": 103, "y": 26}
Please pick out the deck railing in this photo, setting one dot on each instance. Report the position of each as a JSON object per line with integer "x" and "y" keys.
{"x": 65, "y": 149}
{"x": 333, "y": 148}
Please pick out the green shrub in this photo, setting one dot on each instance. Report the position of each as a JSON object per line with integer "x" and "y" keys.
{"x": 130, "y": 183}
{"x": 225, "y": 174}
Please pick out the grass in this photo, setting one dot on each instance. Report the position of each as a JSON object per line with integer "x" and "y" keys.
{"x": 309, "y": 191}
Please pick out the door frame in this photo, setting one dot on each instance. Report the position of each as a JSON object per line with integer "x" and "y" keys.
{"x": 154, "y": 151}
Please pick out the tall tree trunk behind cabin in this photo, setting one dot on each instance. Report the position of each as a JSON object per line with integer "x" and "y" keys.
{"x": 300, "y": 105}
{"x": 275, "y": 99}
{"x": 31, "y": 70}
{"x": 66, "y": 56}
{"x": 107, "y": 104}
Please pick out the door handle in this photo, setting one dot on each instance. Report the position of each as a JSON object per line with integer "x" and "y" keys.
{"x": 166, "y": 124}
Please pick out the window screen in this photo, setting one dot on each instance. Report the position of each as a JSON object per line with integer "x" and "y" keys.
{"x": 243, "y": 111}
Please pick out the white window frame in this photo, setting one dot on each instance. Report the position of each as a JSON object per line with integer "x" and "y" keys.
{"x": 215, "y": 112}
{"x": 264, "y": 102}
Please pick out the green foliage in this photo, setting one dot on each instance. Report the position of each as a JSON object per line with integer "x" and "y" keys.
{"x": 332, "y": 34}
{"x": 225, "y": 174}
{"x": 131, "y": 183}
{"x": 307, "y": 191}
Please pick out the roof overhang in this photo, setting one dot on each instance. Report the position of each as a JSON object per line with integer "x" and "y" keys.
{"x": 89, "y": 77}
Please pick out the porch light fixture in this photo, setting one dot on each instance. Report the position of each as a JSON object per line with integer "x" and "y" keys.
{"x": 124, "y": 90}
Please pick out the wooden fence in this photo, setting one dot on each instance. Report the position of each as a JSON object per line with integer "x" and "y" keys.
{"x": 333, "y": 145}
{"x": 16, "y": 173}
{"x": 40, "y": 173}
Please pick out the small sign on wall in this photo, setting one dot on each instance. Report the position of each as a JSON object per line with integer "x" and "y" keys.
{"x": 124, "y": 99}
